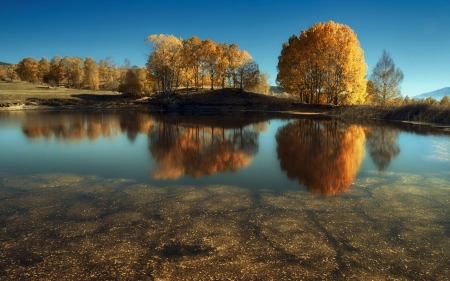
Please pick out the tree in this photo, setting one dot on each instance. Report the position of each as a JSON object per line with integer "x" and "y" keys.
{"x": 11, "y": 72}
{"x": 136, "y": 82}
{"x": 57, "y": 71}
{"x": 27, "y": 69}
{"x": 211, "y": 59}
{"x": 165, "y": 60}
{"x": 406, "y": 100}
{"x": 386, "y": 79}
{"x": 431, "y": 101}
{"x": 91, "y": 74}
{"x": 43, "y": 70}
{"x": 74, "y": 71}
{"x": 247, "y": 75}
{"x": 191, "y": 59}
{"x": 262, "y": 85}
{"x": 325, "y": 64}
{"x": 445, "y": 100}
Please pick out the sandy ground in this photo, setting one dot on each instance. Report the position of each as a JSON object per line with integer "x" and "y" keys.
{"x": 70, "y": 227}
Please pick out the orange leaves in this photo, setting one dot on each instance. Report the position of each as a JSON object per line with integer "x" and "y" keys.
{"x": 175, "y": 61}
{"x": 325, "y": 64}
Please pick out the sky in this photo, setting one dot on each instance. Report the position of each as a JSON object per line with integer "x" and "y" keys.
{"x": 416, "y": 33}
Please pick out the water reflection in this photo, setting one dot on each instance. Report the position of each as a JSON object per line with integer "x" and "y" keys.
{"x": 325, "y": 156}
{"x": 136, "y": 123}
{"x": 72, "y": 127}
{"x": 382, "y": 146}
{"x": 200, "y": 150}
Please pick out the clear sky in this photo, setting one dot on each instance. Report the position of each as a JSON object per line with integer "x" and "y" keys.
{"x": 416, "y": 33}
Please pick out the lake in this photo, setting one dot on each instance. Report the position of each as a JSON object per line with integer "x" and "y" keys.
{"x": 131, "y": 195}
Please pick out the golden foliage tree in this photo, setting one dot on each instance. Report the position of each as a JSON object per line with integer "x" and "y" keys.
{"x": 74, "y": 71}
{"x": 43, "y": 70}
{"x": 174, "y": 62}
{"x": 445, "y": 100}
{"x": 27, "y": 69}
{"x": 325, "y": 64}
{"x": 136, "y": 82}
{"x": 57, "y": 71}
{"x": 91, "y": 74}
{"x": 11, "y": 72}
{"x": 165, "y": 60}
{"x": 262, "y": 86}
{"x": 325, "y": 156}
{"x": 247, "y": 75}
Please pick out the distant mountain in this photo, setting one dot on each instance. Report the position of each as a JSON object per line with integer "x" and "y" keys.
{"x": 4, "y": 63}
{"x": 437, "y": 95}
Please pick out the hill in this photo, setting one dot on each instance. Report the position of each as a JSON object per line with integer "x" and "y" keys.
{"x": 4, "y": 63}
{"x": 437, "y": 95}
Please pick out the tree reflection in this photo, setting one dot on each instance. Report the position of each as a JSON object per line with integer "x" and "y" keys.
{"x": 76, "y": 127}
{"x": 72, "y": 127}
{"x": 382, "y": 146}
{"x": 200, "y": 150}
{"x": 325, "y": 156}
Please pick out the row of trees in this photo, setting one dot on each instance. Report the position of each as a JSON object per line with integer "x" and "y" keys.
{"x": 74, "y": 72}
{"x": 174, "y": 62}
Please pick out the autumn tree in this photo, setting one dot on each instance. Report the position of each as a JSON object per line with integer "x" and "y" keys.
{"x": 43, "y": 70}
{"x": 164, "y": 61}
{"x": 325, "y": 64}
{"x": 247, "y": 75}
{"x": 445, "y": 100}
{"x": 110, "y": 74}
{"x": 57, "y": 71}
{"x": 262, "y": 86}
{"x": 91, "y": 73}
{"x": 192, "y": 59}
{"x": 2, "y": 73}
{"x": 212, "y": 56}
{"x": 235, "y": 58}
{"x": 386, "y": 79}
{"x": 27, "y": 69}
{"x": 11, "y": 72}
{"x": 136, "y": 82}
{"x": 74, "y": 71}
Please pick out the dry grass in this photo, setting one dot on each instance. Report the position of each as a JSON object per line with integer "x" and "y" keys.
{"x": 422, "y": 113}
{"x": 22, "y": 92}
{"x": 221, "y": 101}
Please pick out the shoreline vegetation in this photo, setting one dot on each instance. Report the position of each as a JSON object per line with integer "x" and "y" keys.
{"x": 320, "y": 71}
{"x": 26, "y": 96}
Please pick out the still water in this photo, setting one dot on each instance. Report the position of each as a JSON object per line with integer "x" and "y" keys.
{"x": 103, "y": 195}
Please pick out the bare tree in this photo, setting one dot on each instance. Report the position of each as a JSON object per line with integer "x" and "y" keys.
{"x": 386, "y": 79}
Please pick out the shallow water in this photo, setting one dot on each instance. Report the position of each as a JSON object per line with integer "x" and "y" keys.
{"x": 136, "y": 196}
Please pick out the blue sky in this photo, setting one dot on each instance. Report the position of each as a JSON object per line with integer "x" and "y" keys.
{"x": 415, "y": 33}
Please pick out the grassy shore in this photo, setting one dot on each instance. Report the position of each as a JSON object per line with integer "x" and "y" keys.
{"x": 23, "y": 96}
{"x": 414, "y": 113}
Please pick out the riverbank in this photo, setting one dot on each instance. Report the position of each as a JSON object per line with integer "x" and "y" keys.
{"x": 24, "y": 96}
